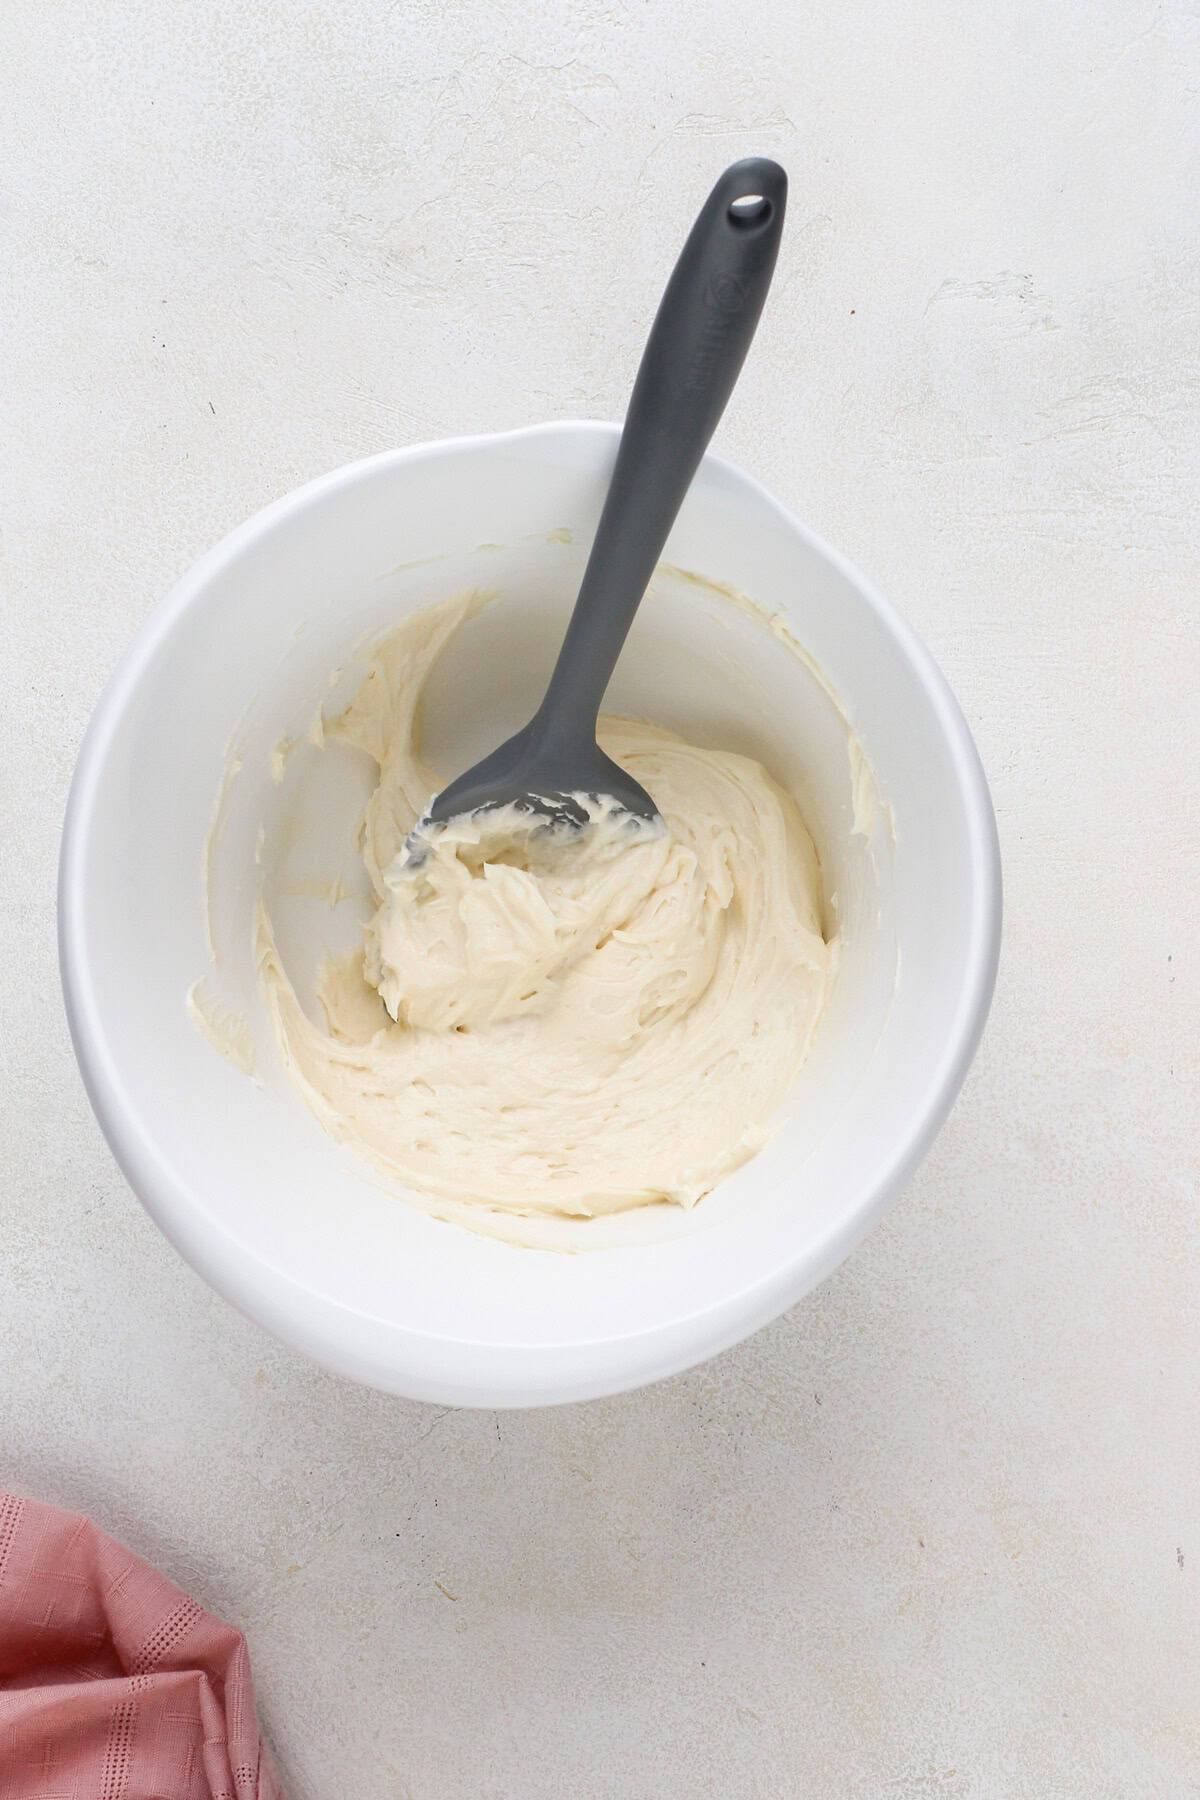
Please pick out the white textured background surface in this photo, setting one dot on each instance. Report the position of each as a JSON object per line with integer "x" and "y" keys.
{"x": 937, "y": 1532}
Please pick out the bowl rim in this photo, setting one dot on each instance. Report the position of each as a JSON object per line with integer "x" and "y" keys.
{"x": 442, "y": 1368}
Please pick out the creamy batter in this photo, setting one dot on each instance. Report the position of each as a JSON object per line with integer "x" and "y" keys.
{"x": 563, "y": 1023}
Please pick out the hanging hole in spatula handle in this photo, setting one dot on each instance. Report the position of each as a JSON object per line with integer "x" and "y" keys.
{"x": 750, "y": 210}
{"x": 751, "y": 190}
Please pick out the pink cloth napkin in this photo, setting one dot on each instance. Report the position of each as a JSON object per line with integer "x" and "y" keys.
{"x": 113, "y": 1684}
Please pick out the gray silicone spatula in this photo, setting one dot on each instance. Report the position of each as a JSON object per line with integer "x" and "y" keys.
{"x": 695, "y": 351}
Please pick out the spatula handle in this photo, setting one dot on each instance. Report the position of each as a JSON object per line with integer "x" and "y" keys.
{"x": 692, "y": 359}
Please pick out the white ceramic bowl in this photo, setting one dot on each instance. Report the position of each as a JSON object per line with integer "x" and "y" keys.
{"x": 279, "y": 1219}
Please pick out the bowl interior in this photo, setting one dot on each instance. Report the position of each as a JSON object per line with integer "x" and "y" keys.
{"x": 224, "y": 684}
